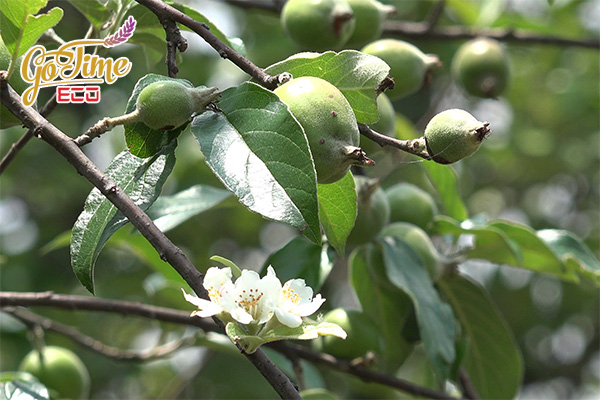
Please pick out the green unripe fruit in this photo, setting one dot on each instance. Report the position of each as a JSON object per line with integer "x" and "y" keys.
{"x": 363, "y": 335}
{"x": 370, "y": 16}
{"x": 453, "y": 135}
{"x": 480, "y": 66}
{"x": 329, "y": 124}
{"x": 166, "y": 105}
{"x": 318, "y": 24}
{"x": 373, "y": 211}
{"x": 410, "y": 203}
{"x": 420, "y": 242}
{"x": 60, "y": 370}
{"x": 409, "y": 66}
{"x": 8, "y": 119}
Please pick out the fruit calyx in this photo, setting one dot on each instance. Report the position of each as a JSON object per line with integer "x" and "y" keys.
{"x": 357, "y": 156}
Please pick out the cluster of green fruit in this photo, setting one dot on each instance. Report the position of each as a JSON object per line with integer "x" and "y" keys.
{"x": 60, "y": 370}
{"x": 404, "y": 211}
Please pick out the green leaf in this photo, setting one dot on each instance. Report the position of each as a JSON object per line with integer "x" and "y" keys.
{"x": 21, "y": 28}
{"x": 95, "y": 12}
{"x": 443, "y": 178}
{"x": 435, "y": 318}
{"x": 337, "y": 211}
{"x": 301, "y": 258}
{"x": 493, "y": 360}
{"x": 574, "y": 253}
{"x": 170, "y": 211}
{"x": 536, "y": 254}
{"x": 143, "y": 141}
{"x": 357, "y": 75}
{"x": 141, "y": 180}
{"x": 386, "y": 304}
{"x": 308, "y": 330}
{"x": 17, "y": 389}
{"x": 235, "y": 270}
{"x": 258, "y": 150}
{"x": 490, "y": 243}
{"x": 505, "y": 242}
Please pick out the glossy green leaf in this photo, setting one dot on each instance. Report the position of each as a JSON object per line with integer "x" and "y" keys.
{"x": 170, "y": 211}
{"x": 444, "y": 179}
{"x": 505, "y": 242}
{"x": 386, "y": 304}
{"x": 488, "y": 243}
{"x": 143, "y": 141}
{"x": 406, "y": 271}
{"x": 337, "y": 211}
{"x": 258, "y": 150}
{"x": 142, "y": 180}
{"x": 574, "y": 253}
{"x": 21, "y": 28}
{"x": 536, "y": 254}
{"x": 235, "y": 270}
{"x": 356, "y": 74}
{"x": 300, "y": 258}
{"x": 492, "y": 360}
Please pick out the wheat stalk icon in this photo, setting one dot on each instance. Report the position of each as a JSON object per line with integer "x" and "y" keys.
{"x": 122, "y": 35}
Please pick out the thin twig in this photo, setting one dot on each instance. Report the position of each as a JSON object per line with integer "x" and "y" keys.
{"x": 47, "y": 324}
{"x": 164, "y": 12}
{"x": 23, "y": 140}
{"x": 426, "y": 30}
{"x": 165, "y": 248}
{"x": 414, "y": 146}
{"x": 174, "y": 42}
{"x": 290, "y": 350}
{"x": 421, "y": 30}
{"x": 467, "y": 386}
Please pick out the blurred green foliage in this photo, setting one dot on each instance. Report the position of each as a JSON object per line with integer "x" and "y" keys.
{"x": 539, "y": 167}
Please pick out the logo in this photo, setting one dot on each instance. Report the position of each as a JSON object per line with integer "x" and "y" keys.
{"x": 75, "y": 74}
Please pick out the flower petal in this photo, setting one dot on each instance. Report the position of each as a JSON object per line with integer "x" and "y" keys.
{"x": 306, "y": 309}
{"x": 287, "y": 318}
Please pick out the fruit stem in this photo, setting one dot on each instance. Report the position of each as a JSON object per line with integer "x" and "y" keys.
{"x": 357, "y": 156}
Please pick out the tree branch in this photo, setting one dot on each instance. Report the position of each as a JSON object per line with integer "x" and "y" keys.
{"x": 422, "y": 30}
{"x": 166, "y": 249}
{"x": 165, "y": 12}
{"x": 426, "y": 30}
{"x": 291, "y": 350}
{"x": 30, "y": 319}
{"x": 414, "y": 146}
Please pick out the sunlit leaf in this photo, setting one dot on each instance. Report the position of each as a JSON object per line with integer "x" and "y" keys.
{"x": 170, "y": 211}
{"x": 142, "y": 180}
{"x": 444, "y": 180}
{"x": 357, "y": 75}
{"x": 337, "y": 211}
{"x": 258, "y": 150}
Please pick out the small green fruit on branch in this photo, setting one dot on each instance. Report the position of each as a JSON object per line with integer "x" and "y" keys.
{"x": 329, "y": 124}
{"x": 163, "y": 106}
{"x": 453, "y": 135}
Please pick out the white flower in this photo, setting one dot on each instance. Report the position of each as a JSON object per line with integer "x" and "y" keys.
{"x": 295, "y": 301}
{"x": 254, "y": 298}
{"x": 217, "y": 282}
